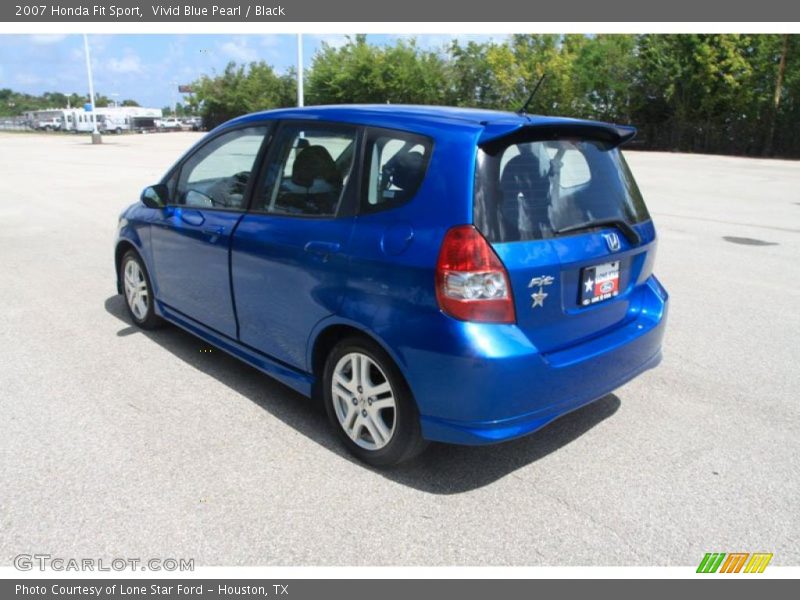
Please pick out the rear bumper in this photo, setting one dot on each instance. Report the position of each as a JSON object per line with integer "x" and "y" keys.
{"x": 500, "y": 387}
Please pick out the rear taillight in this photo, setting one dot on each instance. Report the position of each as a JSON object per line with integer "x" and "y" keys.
{"x": 471, "y": 282}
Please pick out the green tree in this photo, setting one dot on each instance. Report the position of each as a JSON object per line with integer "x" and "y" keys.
{"x": 55, "y": 99}
{"x": 240, "y": 89}
{"x": 603, "y": 76}
{"x": 787, "y": 140}
{"x": 359, "y": 72}
{"x": 705, "y": 86}
{"x": 77, "y": 100}
{"x": 552, "y": 56}
{"x": 471, "y": 79}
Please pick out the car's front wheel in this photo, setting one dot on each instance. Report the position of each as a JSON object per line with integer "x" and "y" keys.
{"x": 138, "y": 291}
{"x": 370, "y": 405}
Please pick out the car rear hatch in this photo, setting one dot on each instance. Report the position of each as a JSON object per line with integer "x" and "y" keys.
{"x": 562, "y": 211}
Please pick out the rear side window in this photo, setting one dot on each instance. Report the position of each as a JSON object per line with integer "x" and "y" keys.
{"x": 308, "y": 171}
{"x": 395, "y": 166}
{"x": 534, "y": 190}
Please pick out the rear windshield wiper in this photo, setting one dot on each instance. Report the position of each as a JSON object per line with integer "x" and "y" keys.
{"x": 629, "y": 232}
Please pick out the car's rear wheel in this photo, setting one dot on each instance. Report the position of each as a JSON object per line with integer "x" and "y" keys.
{"x": 138, "y": 291}
{"x": 370, "y": 405}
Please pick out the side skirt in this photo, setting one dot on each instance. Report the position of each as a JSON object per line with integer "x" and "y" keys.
{"x": 297, "y": 380}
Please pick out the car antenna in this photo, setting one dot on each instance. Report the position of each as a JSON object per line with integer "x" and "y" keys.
{"x": 524, "y": 109}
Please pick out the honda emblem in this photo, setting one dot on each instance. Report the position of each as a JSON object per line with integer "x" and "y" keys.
{"x": 612, "y": 239}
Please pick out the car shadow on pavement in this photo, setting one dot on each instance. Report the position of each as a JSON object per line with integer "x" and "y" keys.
{"x": 441, "y": 469}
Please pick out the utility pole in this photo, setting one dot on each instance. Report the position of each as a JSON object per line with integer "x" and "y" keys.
{"x": 96, "y": 137}
{"x": 300, "y": 99}
{"x": 174, "y": 85}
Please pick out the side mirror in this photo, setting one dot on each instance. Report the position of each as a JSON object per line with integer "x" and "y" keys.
{"x": 155, "y": 196}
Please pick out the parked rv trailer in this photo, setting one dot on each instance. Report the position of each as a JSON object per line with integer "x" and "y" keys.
{"x": 113, "y": 123}
{"x": 110, "y": 119}
{"x": 119, "y": 119}
{"x": 79, "y": 120}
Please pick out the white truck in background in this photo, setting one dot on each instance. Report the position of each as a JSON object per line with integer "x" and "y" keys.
{"x": 170, "y": 123}
{"x": 45, "y": 120}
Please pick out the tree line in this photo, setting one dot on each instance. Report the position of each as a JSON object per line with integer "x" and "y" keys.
{"x": 16, "y": 103}
{"x": 720, "y": 93}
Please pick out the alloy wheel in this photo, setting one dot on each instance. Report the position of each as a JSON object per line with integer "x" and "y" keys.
{"x": 136, "y": 291}
{"x": 364, "y": 401}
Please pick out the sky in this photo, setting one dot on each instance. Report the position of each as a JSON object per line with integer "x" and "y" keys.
{"x": 147, "y": 68}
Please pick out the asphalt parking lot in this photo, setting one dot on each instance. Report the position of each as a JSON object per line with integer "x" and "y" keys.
{"x": 118, "y": 443}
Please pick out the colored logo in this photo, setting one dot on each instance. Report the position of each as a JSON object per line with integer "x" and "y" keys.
{"x": 735, "y": 562}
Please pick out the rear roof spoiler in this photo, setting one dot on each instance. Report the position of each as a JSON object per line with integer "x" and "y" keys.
{"x": 499, "y": 135}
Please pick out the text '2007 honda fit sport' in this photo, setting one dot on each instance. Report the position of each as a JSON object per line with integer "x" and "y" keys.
{"x": 431, "y": 273}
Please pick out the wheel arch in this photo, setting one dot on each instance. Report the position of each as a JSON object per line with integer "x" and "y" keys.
{"x": 121, "y": 249}
{"x": 129, "y": 239}
{"x": 329, "y": 333}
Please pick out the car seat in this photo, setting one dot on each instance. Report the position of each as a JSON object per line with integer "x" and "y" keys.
{"x": 526, "y": 196}
{"x": 315, "y": 170}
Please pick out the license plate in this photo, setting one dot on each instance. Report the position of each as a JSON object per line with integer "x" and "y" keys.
{"x": 599, "y": 283}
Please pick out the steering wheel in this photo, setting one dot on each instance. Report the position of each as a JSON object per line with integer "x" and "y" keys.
{"x": 222, "y": 190}
{"x": 240, "y": 179}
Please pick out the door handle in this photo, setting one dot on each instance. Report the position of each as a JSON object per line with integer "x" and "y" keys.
{"x": 192, "y": 217}
{"x": 219, "y": 230}
{"x": 322, "y": 248}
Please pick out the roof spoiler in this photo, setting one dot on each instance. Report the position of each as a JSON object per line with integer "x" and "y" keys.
{"x": 497, "y": 136}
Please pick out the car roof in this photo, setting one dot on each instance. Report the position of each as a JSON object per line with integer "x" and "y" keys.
{"x": 487, "y": 124}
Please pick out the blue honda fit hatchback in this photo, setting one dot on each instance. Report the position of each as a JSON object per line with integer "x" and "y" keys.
{"x": 431, "y": 273}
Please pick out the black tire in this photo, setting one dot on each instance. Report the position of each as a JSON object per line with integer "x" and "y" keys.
{"x": 406, "y": 440}
{"x": 148, "y": 319}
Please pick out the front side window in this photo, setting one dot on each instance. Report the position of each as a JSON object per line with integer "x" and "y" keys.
{"x": 541, "y": 189}
{"x": 395, "y": 168}
{"x": 309, "y": 170}
{"x": 216, "y": 176}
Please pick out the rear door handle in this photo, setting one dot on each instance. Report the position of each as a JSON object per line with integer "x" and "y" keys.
{"x": 213, "y": 233}
{"x": 322, "y": 248}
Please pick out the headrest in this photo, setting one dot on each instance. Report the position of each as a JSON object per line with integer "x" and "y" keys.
{"x": 407, "y": 170}
{"x": 315, "y": 162}
{"x": 525, "y": 165}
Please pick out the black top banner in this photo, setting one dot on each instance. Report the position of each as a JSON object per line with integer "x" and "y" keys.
{"x": 406, "y": 11}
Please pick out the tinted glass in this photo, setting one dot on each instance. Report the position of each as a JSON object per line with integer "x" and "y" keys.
{"x": 309, "y": 171}
{"x": 216, "y": 176}
{"x": 396, "y": 165}
{"x": 533, "y": 190}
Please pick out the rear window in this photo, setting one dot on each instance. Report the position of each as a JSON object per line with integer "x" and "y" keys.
{"x": 534, "y": 190}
